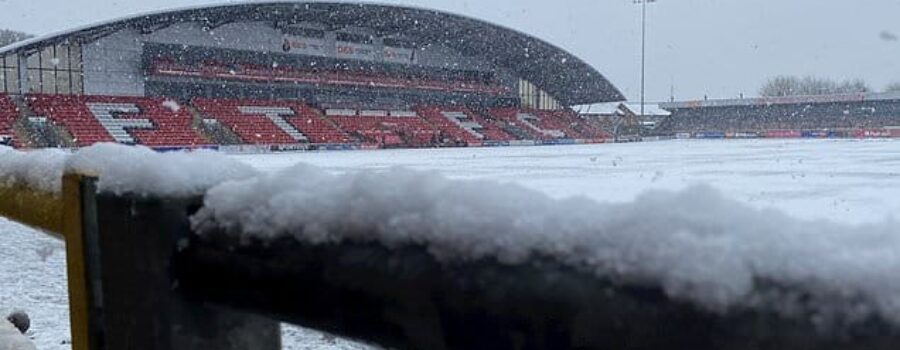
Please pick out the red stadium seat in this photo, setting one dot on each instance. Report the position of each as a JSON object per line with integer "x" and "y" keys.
{"x": 548, "y": 125}
{"x": 287, "y": 74}
{"x": 153, "y": 122}
{"x": 259, "y": 129}
{"x": 388, "y": 130}
{"x": 467, "y": 126}
{"x": 9, "y": 112}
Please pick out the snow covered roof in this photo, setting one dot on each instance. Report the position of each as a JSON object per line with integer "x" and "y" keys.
{"x": 559, "y": 73}
{"x": 765, "y": 101}
{"x": 610, "y": 108}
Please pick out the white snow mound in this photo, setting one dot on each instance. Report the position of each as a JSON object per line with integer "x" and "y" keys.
{"x": 123, "y": 169}
{"x": 12, "y": 339}
{"x": 698, "y": 245}
{"x": 140, "y": 170}
{"x": 40, "y": 169}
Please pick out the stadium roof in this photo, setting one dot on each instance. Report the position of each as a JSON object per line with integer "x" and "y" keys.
{"x": 559, "y": 73}
{"x": 787, "y": 100}
{"x": 611, "y": 108}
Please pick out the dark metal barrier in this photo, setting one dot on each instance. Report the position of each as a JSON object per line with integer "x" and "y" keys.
{"x": 145, "y": 281}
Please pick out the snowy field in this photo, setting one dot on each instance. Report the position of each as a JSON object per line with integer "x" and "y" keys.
{"x": 850, "y": 181}
{"x": 844, "y": 181}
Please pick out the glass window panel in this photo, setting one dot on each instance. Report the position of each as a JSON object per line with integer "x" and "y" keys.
{"x": 34, "y": 61}
{"x": 3, "y": 80}
{"x": 62, "y": 53}
{"x": 12, "y": 61}
{"x": 34, "y": 80}
{"x": 75, "y": 57}
{"x": 77, "y": 83}
{"x": 47, "y": 57}
{"x": 48, "y": 81}
{"x": 12, "y": 80}
{"x": 63, "y": 83}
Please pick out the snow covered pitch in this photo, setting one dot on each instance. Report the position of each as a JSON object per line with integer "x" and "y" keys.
{"x": 816, "y": 184}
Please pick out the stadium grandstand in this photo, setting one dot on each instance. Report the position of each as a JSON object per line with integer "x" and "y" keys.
{"x": 872, "y": 115}
{"x": 295, "y": 75}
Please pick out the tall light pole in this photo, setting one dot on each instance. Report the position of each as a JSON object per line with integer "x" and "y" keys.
{"x": 643, "y": 49}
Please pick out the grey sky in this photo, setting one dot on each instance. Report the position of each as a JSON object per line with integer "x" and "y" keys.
{"x": 718, "y": 48}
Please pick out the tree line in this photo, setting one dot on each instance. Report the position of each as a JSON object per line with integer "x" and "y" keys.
{"x": 786, "y": 85}
{"x": 10, "y": 36}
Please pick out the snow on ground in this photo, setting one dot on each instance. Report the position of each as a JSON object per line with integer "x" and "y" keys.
{"x": 852, "y": 181}
{"x": 846, "y": 181}
{"x": 33, "y": 278}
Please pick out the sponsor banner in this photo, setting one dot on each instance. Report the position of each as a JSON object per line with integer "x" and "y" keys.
{"x": 783, "y": 134}
{"x": 657, "y": 138}
{"x": 745, "y": 135}
{"x": 565, "y": 142}
{"x": 495, "y": 143}
{"x": 871, "y": 133}
{"x": 710, "y": 135}
{"x": 356, "y": 51}
{"x": 185, "y": 148}
{"x": 683, "y": 135}
{"x": 522, "y": 143}
{"x": 245, "y": 149}
{"x": 819, "y": 134}
{"x": 289, "y": 148}
{"x": 399, "y": 55}
{"x": 306, "y": 46}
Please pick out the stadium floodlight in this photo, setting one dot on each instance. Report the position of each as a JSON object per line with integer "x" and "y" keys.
{"x": 643, "y": 4}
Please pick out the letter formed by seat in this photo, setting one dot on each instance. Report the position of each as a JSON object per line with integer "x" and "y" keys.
{"x": 117, "y": 127}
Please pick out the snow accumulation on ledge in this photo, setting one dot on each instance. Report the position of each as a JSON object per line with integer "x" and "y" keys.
{"x": 696, "y": 244}
{"x": 122, "y": 169}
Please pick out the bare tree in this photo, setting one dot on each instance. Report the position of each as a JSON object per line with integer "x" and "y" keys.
{"x": 794, "y": 86}
{"x": 10, "y": 36}
{"x": 782, "y": 85}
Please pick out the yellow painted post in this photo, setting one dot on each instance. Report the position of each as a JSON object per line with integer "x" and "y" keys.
{"x": 42, "y": 210}
{"x": 60, "y": 215}
{"x": 72, "y": 230}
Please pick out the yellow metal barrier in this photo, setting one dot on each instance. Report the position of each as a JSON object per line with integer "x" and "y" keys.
{"x": 59, "y": 215}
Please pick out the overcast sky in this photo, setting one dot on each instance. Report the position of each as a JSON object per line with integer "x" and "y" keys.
{"x": 719, "y": 48}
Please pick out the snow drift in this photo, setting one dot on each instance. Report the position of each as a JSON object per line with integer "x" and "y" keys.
{"x": 122, "y": 169}
{"x": 696, "y": 244}
{"x": 12, "y": 339}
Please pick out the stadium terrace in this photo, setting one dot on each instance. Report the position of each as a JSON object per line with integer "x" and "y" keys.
{"x": 870, "y": 115}
{"x": 295, "y": 75}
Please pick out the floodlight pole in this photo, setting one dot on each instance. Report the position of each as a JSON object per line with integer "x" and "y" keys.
{"x": 643, "y": 50}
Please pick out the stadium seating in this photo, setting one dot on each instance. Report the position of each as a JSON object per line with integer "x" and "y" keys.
{"x": 90, "y": 119}
{"x": 460, "y": 123}
{"x": 8, "y": 115}
{"x": 286, "y": 74}
{"x": 381, "y": 127}
{"x": 796, "y": 116}
{"x": 570, "y": 123}
{"x": 549, "y": 125}
{"x": 251, "y": 128}
{"x": 301, "y": 122}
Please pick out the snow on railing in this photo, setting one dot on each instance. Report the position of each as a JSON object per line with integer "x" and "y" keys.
{"x": 122, "y": 169}
{"x": 696, "y": 244}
